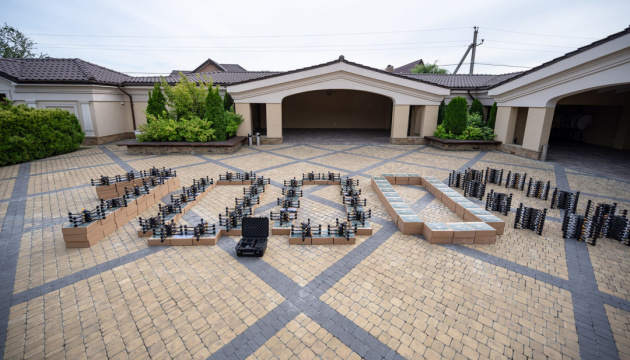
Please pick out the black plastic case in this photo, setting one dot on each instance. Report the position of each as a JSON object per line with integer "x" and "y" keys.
{"x": 255, "y": 231}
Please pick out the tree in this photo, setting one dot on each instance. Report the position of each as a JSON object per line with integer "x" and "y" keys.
{"x": 476, "y": 107}
{"x": 227, "y": 101}
{"x": 441, "y": 113}
{"x": 157, "y": 101}
{"x": 216, "y": 113}
{"x": 492, "y": 118}
{"x": 429, "y": 69}
{"x": 14, "y": 44}
{"x": 187, "y": 99}
{"x": 456, "y": 117}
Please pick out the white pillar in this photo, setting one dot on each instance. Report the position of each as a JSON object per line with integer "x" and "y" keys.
{"x": 400, "y": 121}
{"x": 428, "y": 124}
{"x": 244, "y": 109}
{"x": 505, "y": 123}
{"x": 537, "y": 128}
{"x": 274, "y": 121}
{"x": 86, "y": 114}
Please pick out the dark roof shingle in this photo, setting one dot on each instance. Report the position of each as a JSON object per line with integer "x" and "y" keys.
{"x": 462, "y": 81}
{"x": 407, "y": 68}
{"x": 59, "y": 70}
{"x": 218, "y": 77}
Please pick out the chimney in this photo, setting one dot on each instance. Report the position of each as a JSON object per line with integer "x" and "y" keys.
{"x": 389, "y": 68}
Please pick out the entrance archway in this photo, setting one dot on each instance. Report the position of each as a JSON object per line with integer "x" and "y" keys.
{"x": 337, "y": 115}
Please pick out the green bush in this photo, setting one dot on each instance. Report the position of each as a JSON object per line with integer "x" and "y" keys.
{"x": 233, "y": 120}
{"x": 157, "y": 101}
{"x": 475, "y": 130}
{"x": 441, "y": 113}
{"x": 28, "y": 134}
{"x": 165, "y": 128}
{"x": 456, "y": 113}
{"x": 216, "y": 114}
{"x": 492, "y": 118}
{"x": 476, "y": 107}
{"x": 186, "y": 99}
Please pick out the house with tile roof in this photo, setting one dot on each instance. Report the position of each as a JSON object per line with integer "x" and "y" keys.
{"x": 552, "y": 101}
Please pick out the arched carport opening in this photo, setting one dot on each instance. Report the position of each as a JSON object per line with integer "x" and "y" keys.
{"x": 337, "y": 115}
{"x": 591, "y": 130}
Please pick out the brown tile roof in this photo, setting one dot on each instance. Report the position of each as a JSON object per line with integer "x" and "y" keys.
{"x": 58, "y": 70}
{"x": 218, "y": 77}
{"x": 407, "y": 68}
{"x": 462, "y": 81}
{"x": 233, "y": 67}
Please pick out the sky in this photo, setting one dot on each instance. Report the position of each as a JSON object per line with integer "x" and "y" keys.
{"x": 155, "y": 37}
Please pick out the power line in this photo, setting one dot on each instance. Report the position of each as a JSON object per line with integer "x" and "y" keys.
{"x": 535, "y": 50}
{"x": 245, "y": 36}
{"x": 73, "y": 46}
{"x": 521, "y": 43}
{"x": 537, "y": 34}
{"x": 255, "y": 51}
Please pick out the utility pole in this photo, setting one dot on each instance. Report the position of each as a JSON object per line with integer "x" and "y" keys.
{"x": 472, "y": 47}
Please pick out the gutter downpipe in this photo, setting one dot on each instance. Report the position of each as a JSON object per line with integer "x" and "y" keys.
{"x": 469, "y": 94}
{"x": 133, "y": 114}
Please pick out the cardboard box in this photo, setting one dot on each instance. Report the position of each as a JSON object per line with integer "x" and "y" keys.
{"x": 280, "y": 231}
{"x": 462, "y": 233}
{"x": 152, "y": 241}
{"x": 485, "y": 240}
{"x": 94, "y": 226}
{"x": 448, "y": 203}
{"x": 470, "y": 217}
{"x": 363, "y": 231}
{"x": 437, "y": 233}
{"x": 322, "y": 240}
{"x": 391, "y": 178}
{"x": 402, "y": 180}
{"x": 231, "y": 232}
{"x": 414, "y": 179}
{"x": 206, "y": 240}
{"x": 178, "y": 240}
{"x": 410, "y": 227}
{"x": 493, "y": 221}
{"x": 94, "y": 236}
{"x": 344, "y": 241}
{"x": 132, "y": 211}
{"x": 145, "y": 234}
{"x": 300, "y": 241}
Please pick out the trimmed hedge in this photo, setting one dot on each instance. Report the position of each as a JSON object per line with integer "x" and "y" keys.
{"x": 28, "y": 134}
{"x": 492, "y": 118}
{"x": 456, "y": 117}
{"x": 476, "y": 107}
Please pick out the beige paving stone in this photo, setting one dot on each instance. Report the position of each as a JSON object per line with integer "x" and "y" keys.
{"x": 506, "y": 158}
{"x": 10, "y": 171}
{"x": 445, "y": 288}
{"x": 70, "y": 178}
{"x": 346, "y": 161}
{"x": 600, "y": 186}
{"x": 303, "y": 338}
{"x": 68, "y": 163}
{"x": 167, "y": 161}
{"x": 380, "y": 152}
{"x": 257, "y": 161}
{"x": 303, "y": 263}
{"x": 302, "y": 151}
{"x": 620, "y": 326}
{"x": 461, "y": 154}
{"x": 436, "y": 211}
{"x": 610, "y": 263}
{"x": 429, "y": 159}
{"x": 6, "y": 188}
{"x": 187, "y": 290}
{"x": 396, "y": 167}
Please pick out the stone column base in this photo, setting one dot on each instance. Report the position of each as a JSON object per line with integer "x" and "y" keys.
{"x": 409, "y": 140}
{"x": 519, "y": 151}
{"x": 98, "y": 140}
{"x": 269, "y": 141}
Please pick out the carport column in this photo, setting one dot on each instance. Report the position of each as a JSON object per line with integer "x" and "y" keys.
{"x": 274, "y": 123}
{"x": 428, "y": 124}
{"x": 400, "y": 123}
{"x": 245, "y": 110}
{"x": 537, "y": 128}
{"x": 505, "y": 123}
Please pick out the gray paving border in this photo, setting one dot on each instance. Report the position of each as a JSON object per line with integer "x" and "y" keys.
{"x": 117, "y": 159}
{"x": 562, "y": 182}
{"x": 10, "y": 241}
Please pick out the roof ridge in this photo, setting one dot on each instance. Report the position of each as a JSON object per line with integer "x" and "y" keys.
{"x": 102, "y": 67}
{"x": 85, "y": 72}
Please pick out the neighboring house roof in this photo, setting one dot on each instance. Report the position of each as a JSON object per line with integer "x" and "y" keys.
{"x": 209, "y": 61}
{"x": 176, "y": 72}
{"x": 462, "y": 81}
{"x": 218, "y": 77}
{"x": 625, "y": 31}
{"x": 407, "y": 68}
{"x": 59, "y": 70}
{"x": 233, "y": 67}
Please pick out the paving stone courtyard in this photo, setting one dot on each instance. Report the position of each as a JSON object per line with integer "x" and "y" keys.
{"x": 389, "y": 296}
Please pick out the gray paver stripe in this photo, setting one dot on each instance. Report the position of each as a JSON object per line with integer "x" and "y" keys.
{"x": 45, "y": 223}
{"x": 7, "y": 179}
{"x": 562, "y": 182}
{"x": 10, "y": 236}
{"x": 69, "y": 157}
{"x": 83, "y": 274}
{"x": 116, "y": 159}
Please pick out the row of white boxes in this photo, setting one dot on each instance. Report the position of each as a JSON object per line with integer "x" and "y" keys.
{"x": 206, "y": 239}
{"x": 479, "y": 226}
{"x": 91, "y": 233}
